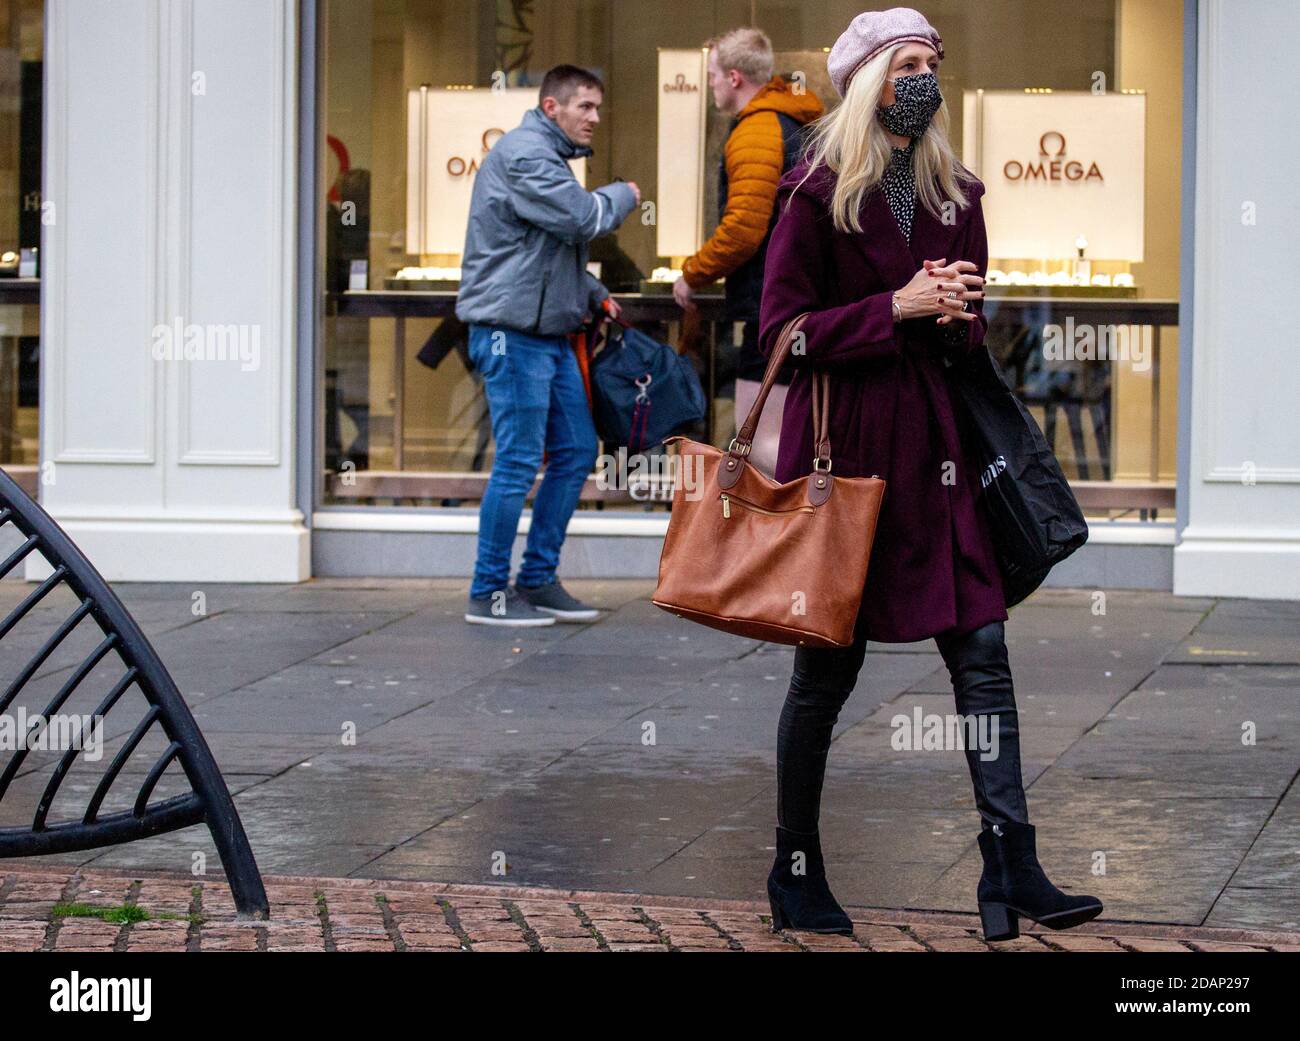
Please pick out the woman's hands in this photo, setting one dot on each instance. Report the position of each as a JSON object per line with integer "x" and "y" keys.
{"x": 943, "y": 289}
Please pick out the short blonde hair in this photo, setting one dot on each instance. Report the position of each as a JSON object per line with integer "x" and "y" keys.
{"x": 747, "y": 50}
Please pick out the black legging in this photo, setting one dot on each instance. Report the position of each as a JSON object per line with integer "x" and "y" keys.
{"x": 822, "y": 681}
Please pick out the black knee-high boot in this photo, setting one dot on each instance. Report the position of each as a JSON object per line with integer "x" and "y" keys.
{"x": 797, "y": 889}
{"x": 981, "y": 684}
{"x": 1013, "y": 883}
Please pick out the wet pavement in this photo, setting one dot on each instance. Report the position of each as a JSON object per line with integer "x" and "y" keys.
{"x": 368, "y": 732}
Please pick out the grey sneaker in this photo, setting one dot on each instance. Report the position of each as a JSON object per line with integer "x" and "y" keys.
{"x": 511, "y": 610}
{"x": 553, "y": 599}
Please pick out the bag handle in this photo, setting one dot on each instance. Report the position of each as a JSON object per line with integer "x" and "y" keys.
{"x": 821, "y": 411}
{"x": 742, "y": 443}
{"x": 744, "y": 439}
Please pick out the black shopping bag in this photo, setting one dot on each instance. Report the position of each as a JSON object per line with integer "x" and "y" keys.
{"x": 1033, "y": 515}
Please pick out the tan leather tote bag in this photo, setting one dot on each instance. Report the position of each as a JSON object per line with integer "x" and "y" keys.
{"x": 780, "y": 562}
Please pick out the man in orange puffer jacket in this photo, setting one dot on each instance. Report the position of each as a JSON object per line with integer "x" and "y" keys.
{"x": 765, "y": 140}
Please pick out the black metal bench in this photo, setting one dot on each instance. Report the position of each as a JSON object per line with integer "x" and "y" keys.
{"x": 208, "y": 801}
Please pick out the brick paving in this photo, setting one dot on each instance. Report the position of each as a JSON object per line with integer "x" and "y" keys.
{"x": 331, "y": 914}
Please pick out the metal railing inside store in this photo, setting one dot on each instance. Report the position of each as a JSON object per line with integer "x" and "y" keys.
{"x": 1015, "y": 324}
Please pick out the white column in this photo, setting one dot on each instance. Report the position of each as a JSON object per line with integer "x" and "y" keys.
{"x": 170, "y": 157}
{"x": 1243, "y": 496}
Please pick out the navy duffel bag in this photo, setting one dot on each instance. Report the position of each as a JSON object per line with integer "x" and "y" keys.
{"x": 642, "y": 390}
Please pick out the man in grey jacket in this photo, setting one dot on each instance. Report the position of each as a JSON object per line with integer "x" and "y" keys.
{"x": 524, "y": 288}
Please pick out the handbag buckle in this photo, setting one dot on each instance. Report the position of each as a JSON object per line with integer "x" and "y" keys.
{"x": 744, "y": 448}
{"x": 818, "y": 459}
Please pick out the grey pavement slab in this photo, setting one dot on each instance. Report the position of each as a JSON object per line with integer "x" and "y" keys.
{"x": 1271, "y": 860}
{"x": 1249, "y": 632}
{"x": 1238, "y": 906}
{"x": 310, "y": 699}
{"x": 368, "y": 731}
{"x": 1235, "y": 675}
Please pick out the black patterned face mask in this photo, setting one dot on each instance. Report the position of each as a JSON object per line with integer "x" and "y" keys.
{"x": 916, "y": 100}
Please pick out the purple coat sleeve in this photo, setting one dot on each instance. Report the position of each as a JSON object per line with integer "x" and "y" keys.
{"x": 797, "y": 279}
{"x": 973, "y": 246}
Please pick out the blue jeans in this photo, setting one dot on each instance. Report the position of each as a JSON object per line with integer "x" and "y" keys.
{"x": 537, "y": 401}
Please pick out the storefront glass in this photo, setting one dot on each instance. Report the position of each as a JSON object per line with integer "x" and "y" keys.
{"x": 1090, "y": 342}
{"x": 21, "y": 215}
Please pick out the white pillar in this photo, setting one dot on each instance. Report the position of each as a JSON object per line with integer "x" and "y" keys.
{"x": 170, "y": 158}
{"x": 1242, "y": 534}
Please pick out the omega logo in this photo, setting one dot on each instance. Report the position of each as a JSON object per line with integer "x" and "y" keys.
{"x": 1055, "y": 169}
{"x": 680, "y": 86}
{"x": 458, "y": 167}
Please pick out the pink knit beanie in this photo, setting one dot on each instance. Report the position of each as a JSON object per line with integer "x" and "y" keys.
{"x": 869, "y": 34}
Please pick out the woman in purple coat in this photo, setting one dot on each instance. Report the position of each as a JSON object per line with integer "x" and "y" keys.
{"x": 881, "y": 239}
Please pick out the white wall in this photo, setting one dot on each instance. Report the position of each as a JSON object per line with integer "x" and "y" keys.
{"x": 1243, "y": 538}
{"x": 170, "y": 162}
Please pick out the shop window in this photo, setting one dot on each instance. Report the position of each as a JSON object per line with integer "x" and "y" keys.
{"x": 21, "y": 211}
{"x": 405, "y": 421}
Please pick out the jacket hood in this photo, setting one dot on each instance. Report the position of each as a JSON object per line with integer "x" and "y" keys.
{"x": 535, "y": 119}
{"x": 776, "y": 95}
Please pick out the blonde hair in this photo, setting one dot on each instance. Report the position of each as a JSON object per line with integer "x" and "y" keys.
{"x": 747, "y": 50}
{"x": 850, "y": 141}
